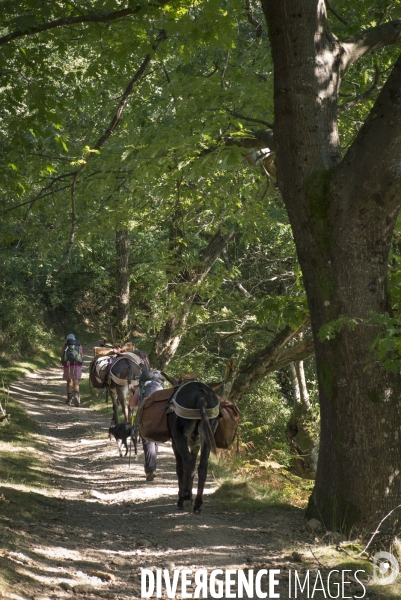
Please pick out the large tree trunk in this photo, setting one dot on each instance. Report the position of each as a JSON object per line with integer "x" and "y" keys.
{"x": 342, "y": 213}
{"x": 122, "y": 326}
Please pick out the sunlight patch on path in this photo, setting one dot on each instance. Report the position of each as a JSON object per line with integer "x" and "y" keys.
{"x": 88, "y": 467}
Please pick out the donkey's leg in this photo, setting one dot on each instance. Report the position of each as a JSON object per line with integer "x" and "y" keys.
{"x": 113, "y": 395}
{"x": 180, "y": 475}
{"x": 202, "y": 474}
{"x": 184, "y": 469}
{"x": 187, "y": 462}
{"x": 189, "y": 474}
{"x": 122, "y": 394}
{"x": 194, "y": 450}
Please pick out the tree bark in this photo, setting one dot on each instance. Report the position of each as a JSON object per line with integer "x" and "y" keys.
{"x": 303, "y": 388}
{"x": 122, "y": 325}
{"x": 294, "y": 384}
{"x": 342, "y": 213}
{"x": 301, "y": 429}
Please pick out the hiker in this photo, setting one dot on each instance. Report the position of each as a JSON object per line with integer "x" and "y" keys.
{"x": 149, "y": 382}
{"x": 71, "y": 360}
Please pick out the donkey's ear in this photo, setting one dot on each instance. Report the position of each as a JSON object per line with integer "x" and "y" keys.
{"x": 170, "y": 379}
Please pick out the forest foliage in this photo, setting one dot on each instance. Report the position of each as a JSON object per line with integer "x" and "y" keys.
{"x": 145, "y": 122}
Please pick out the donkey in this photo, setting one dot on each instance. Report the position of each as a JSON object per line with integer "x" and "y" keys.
{"x": 123, "y": 369}
{"x": 192, "y": 417}
{"x": 116, "y": 373}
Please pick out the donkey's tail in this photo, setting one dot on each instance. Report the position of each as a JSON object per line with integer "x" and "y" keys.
{"x": 201, "y": 404}
{"x": 129, "y": 373}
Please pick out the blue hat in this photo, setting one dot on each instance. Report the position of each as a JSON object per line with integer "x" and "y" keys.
{"x": 71, "y": 337}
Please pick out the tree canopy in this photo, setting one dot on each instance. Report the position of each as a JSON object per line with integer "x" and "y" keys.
{"x": 235, "y": 159}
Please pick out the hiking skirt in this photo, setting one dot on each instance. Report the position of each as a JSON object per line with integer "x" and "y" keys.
{"x": 72, "y": 372}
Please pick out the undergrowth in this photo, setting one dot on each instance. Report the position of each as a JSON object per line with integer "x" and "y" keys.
{"x": 260, "y": 483}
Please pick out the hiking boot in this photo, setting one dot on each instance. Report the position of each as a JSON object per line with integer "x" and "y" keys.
{"x": 76, "y": 399}
{"x": 69, "y": 399}
{"x": 150, "y": 476}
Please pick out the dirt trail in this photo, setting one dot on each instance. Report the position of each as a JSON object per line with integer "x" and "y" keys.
{"x": 100, "y": 521}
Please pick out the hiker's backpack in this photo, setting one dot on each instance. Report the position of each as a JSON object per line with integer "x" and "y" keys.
{"x": 72, "y": 354}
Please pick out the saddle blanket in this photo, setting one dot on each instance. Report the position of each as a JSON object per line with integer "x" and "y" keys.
{"x": 101, "y": 365}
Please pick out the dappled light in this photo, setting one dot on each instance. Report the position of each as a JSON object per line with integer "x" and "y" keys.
{"x": 199, "y": 191}
{"x": 94, "y": 521}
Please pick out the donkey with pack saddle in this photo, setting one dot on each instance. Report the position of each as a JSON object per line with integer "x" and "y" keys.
{"x": 116, "y": 373}
{"x": 193, "y": 416}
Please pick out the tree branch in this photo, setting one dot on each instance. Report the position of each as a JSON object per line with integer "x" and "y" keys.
{"x": 256, "y": 24}
{"x": 361, "y": 168}
{"x": 261, "y": 138}
{"x": 229, "y": 334}
{"x": 92, "y": 18}
{"x": 300, "y": 351}
{"x": 215, "y": 247}
{"x": 100, "y": 142}
{"x": 237, "y": 283}
{"x": 250, "y": 119}
{"x": 124, "y": 99}
{"x": 367, "y": 94}
{"x": 68, "y": 253}
{"x": 364, "y": 42}
{"x": 271, "y": 358}
{"x": 175, "y": 325}
{"x": 335, "y": 13}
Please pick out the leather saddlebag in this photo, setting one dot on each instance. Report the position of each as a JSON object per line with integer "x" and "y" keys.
{"x": 97, "y": 377}
{"x": 228, "y": 424}
{"x": 152, "y": 417}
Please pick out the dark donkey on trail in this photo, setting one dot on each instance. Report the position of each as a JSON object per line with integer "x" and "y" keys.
{"x": 193, "y": 416}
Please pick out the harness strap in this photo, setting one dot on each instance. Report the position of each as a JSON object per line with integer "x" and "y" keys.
{"x": 131, "y": 356}
{"x": 113, "y": 377}
{"x": 192, "y": 413}
{"x": 117, "y": 380}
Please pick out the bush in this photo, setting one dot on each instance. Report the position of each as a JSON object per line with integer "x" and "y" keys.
{"x": 264, "y": 416}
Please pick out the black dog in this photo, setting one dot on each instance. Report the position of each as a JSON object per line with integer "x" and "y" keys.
{"x": 121, "y": 433}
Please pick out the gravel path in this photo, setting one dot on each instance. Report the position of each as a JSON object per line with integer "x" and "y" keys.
{"x": 100, "y": 522}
